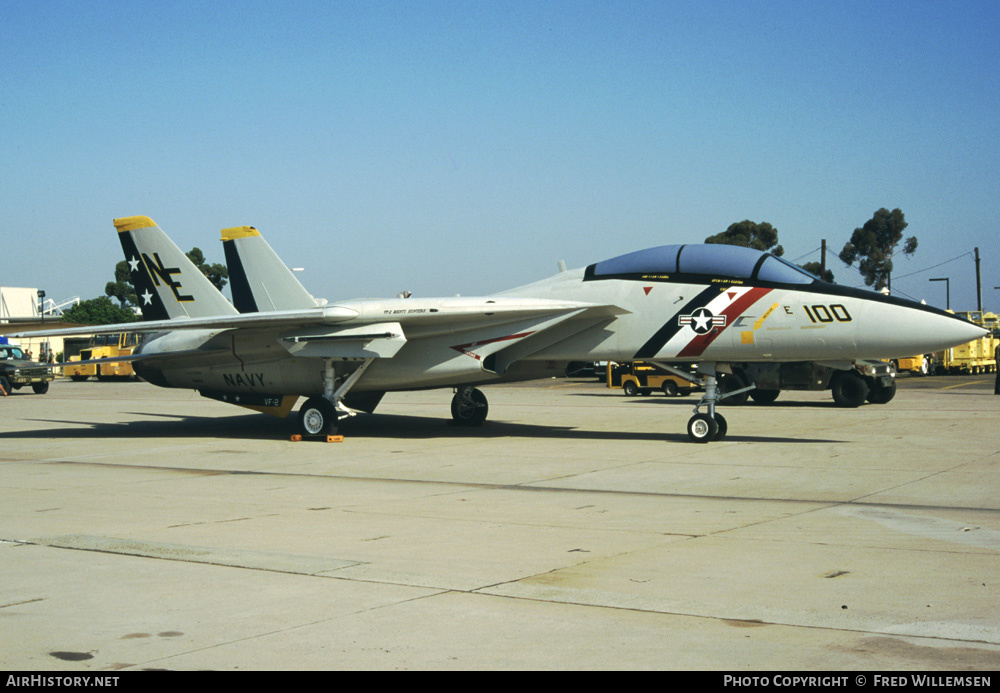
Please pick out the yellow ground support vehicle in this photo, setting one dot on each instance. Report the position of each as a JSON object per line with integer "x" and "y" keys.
{"x": 640, "y": 378}
{"x": 978, "y": 355}
{"x": 920, "y": 365}
{"x": 102, "y": 347}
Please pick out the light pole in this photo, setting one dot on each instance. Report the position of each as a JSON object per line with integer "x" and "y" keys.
{"x": 947, "y": 290}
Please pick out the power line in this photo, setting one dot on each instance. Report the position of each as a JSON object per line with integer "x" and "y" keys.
{"x": 903, "y": 276}
{"x": 807, "y": 254}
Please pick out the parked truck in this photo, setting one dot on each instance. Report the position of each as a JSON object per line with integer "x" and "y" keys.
{"x": 641, "y": 378}
{"x": 922, "y": 364}
{"x": 977, "y": 356}
{"x": 102, "y": 347}
{"x": 850, "y": 384}
{"x": 17, "y": 370}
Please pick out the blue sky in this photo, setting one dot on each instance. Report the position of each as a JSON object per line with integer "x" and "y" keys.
{"x": 467, "y": 147}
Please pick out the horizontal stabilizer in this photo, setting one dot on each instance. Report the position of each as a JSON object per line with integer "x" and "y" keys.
{"x": 286, "y": 318}
{"x": 156, "y": 357}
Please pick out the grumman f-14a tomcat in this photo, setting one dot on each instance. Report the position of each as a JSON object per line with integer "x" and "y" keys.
{"x": 710, "y": 305}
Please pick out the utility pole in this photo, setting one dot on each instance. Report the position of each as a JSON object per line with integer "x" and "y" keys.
{"x": 822, "y": 259}
{"x": 979, "y": 286}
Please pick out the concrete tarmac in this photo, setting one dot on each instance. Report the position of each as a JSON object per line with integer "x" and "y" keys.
{"x": 144, "y": 528}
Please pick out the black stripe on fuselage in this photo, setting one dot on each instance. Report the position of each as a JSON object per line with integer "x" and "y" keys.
{"x": 817, "y": 287}
{"x": 663, "y": 335}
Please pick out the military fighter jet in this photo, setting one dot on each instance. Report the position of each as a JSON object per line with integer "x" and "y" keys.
{"x": 705, "y": 304}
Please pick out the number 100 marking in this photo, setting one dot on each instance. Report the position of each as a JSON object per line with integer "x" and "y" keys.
{"x": 821, "y": 313}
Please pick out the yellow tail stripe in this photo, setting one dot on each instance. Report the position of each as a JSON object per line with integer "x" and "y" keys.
{"x": 133, "y": 223}
{"x": 239, "y": 232}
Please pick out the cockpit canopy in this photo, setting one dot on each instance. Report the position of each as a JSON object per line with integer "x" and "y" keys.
{"x": 727, "y": 261}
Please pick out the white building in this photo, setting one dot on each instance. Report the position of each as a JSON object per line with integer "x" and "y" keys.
{"x": 18, "y": 303}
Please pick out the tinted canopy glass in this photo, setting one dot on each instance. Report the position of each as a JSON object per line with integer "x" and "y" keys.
{"x": 711, "y": 260}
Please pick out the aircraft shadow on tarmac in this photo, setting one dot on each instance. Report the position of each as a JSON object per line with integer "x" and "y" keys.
{"x": 722, "y": 405}
{"x": 383, "y": 426}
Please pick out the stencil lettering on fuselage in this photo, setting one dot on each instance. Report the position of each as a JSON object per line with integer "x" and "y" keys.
{"x": 244, "y": 379}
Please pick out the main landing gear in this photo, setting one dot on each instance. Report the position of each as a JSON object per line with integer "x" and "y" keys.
{"x": 469, "y": 406}
{"x": 319, "y": 415}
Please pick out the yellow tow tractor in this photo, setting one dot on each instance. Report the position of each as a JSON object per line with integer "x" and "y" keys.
{"x": 919, "y": 365}
{"x": 641, "y": 378}
{"x": 102, "y": 347}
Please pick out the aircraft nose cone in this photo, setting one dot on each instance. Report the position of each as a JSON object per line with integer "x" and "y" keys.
{"x": 952, "y": 331}
{"x": 899, "y": 329}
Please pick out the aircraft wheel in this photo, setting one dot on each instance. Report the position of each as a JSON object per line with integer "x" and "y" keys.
{"x": 882, "y": 394}
{"x": 729, "y": 382}
{"x": 702, "y": 428}
{"x": 670, "y": 388}
{"x": 723, "y": 426}
{"x": 469, "y": 408}
{"x": 849, "y": 389}
{"x": 318, "y": 417}
{"x": 764, "y": 396}
{"x": 925, "y": 366}
{"x": 630, "y": 389}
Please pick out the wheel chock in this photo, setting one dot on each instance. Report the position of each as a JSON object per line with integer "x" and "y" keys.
{"x": 298, "y": 437}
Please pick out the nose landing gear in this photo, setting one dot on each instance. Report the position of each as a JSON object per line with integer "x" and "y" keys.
{"x": 709, "y": 425}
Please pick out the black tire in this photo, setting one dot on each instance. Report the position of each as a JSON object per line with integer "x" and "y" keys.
{"x": 702, "y": 428}
{"x": 630, "y": 389}
{"x": 720, "y": 420}
{"x": 764, "y": 396}
{"x": 470, "y": 411}
{"x": 849, "y": 389}
{"x": 729, "y": 382}
{"x": 882, "y": 394}
{"x": 5, "y": 384}
{"x": 40, "y": 388}
{"x": 317, "y": 417}
{"x": 670, "y": 388}
{"x": 78, "y": 378}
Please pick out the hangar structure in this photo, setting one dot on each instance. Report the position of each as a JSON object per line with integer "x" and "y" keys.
{"x": 25, "y": 309}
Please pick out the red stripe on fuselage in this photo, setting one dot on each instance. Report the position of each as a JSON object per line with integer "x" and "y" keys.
{"x": 734, "y": 310}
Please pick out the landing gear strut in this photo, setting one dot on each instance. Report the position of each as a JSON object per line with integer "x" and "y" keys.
{"x": 703, "y": 427}
{"x": 709, "y": 425}
{"x": 469, "y": 406}
{"x": 319, "y": 415}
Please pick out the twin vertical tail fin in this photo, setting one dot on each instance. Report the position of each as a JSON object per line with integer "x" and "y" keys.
{"x": 258, "y": 278}
{"x": 167, "y": 283}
